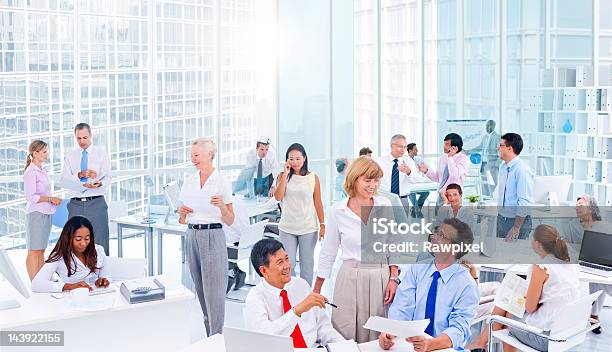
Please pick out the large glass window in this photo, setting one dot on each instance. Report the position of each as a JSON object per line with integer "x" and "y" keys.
{"x": 149, "y": 76}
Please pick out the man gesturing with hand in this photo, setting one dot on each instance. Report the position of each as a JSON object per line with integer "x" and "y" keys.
{"x": 284, "y": 305}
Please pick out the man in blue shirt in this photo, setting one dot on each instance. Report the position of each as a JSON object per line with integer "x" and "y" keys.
{"x": 440, "y": 290}
{"x": 515, "y": 190}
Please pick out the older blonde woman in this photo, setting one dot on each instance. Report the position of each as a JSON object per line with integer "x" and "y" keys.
{"x": 361, "y": 290}
{"x": 207, "y": 205}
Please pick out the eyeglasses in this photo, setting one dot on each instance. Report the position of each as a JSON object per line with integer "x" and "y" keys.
{"x": 439, "y": 233}
{"x": 400, "y": 145}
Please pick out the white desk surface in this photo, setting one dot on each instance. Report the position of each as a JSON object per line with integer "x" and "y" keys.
{"x": 521, "y": 269}
{"x": 216, "y": 343}
{"x": 41, "y": 307}
{"x": 252, "y": 207}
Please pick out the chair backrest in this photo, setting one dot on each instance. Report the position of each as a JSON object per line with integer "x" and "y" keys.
{"x": 570, "y": 320}
{"x": 126, "y": 268}
{"x": 60, "y": 216}
{"x": 116, "y": 209}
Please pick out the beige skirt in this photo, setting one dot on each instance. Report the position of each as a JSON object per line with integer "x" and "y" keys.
{"x": 359, "y": 293}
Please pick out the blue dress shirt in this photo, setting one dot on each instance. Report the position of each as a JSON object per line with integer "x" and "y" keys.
{"x": 456, "y": 300}
{"x": 516, "y": 178}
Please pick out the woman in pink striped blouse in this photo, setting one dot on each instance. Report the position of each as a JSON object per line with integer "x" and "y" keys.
{"x": 40, "y": 206}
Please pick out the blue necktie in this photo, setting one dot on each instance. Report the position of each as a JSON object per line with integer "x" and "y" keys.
{"x": 395, "y": 178}
{"x": 84, "y": 161}
{"x": 505, "y": 185}
{"x": 430, "y": 306}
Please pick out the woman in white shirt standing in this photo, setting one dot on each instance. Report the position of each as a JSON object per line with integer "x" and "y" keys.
{"x": 207, "y": 203}
{"x": 77, "y": 260}
{"x": 302, "y": 217}
{"x": 552, "y": 285}
{"x": 353, "y": 291}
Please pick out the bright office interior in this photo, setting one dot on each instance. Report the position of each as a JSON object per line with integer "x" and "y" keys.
{"x": 336, "y": 76}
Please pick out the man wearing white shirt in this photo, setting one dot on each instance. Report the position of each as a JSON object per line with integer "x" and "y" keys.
{"x": 398, "y": 169}
{"x": 264, "y": 161}
{"x": 86, "y": 175}
{"x": 284, "y": 305}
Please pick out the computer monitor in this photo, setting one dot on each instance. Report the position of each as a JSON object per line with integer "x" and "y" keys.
{"x": 544, "y": 186}
{"x": 595, "y": 248}
{"x": 245, "y": 181}
{"x": 7, "y": 269}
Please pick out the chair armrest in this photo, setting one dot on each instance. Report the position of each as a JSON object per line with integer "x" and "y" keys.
{"x": 515, "y": 324}
{"x": 486, "y": 299}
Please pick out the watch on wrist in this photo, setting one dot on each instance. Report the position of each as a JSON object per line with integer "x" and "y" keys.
{"x": 396, "y": 279}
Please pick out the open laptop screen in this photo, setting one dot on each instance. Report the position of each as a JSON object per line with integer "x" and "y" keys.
{"x": 596, "y": 248}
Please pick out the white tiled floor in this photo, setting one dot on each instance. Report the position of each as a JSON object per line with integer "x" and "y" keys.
{"x": 134, "y": 247}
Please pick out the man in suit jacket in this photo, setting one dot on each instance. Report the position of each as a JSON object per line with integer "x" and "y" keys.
{"x": 490, "y": 157}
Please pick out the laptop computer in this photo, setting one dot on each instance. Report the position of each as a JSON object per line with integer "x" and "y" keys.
{"x": 239, "y": 340}
{"x": 595, "y": 255}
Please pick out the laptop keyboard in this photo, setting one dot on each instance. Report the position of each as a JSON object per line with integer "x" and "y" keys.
{"x": 595, "y": 266}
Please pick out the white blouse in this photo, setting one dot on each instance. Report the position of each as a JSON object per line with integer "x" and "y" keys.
{"x": 198, "y": 198}
{"x": 42, "y": 281}
{"x": 343, "y": 233}
{"x": 561, "y": 287}
{"x": 299, "y": 215}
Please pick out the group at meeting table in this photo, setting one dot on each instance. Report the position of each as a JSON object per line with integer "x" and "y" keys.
{"x": 442, "y": 288}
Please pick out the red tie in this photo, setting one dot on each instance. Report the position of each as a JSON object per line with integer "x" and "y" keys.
{"x": 296, "y": 335}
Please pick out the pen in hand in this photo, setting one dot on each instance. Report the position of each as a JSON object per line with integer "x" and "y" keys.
{"x": 331, "y": 304}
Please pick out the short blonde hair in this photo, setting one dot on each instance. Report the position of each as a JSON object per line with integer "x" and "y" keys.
{"x": 207, "y": 144}
{"x": 362, "y": 166}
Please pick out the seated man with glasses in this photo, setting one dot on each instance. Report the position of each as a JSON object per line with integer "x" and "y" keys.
{"x": 441, "y": 290}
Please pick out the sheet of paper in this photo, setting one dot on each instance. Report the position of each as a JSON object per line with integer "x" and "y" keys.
{"x": 200, "y": 204}
{"x": 343, "y": 346}
{"x": 399, "y": 344}
{"x": 73, "y": 185}
{"x": 397, "y": 327}
{"x": 510, "y": 295}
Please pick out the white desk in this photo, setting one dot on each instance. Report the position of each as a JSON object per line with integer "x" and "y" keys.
{"x": 152, "y": 326}
{"x": 251, "y": 208}
{"x": 433, "y": 186}
{"x": 521, "y": 269}
{"x": 216, "y": 343}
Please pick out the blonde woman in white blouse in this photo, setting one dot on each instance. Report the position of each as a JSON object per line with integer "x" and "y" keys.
{"x": 302, "y": 219}
{"x": 353, "y": 291}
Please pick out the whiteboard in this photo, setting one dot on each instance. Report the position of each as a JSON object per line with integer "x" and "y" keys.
{"x": 471, "y": 131}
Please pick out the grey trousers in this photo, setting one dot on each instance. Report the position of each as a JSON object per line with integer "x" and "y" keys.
{"x": 96, "y": 211}
{"x": 207, "y": 260}
{"x": 599, "y": 302}
{"x": 306, "y": 244}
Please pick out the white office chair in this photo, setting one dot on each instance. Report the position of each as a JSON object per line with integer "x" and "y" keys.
{"x": 565, "y": 333}
{"x": 249, "y": 237}
{"x": 126, "y": 268}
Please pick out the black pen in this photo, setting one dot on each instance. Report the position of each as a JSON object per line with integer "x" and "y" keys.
{"x": 331, "y": 304}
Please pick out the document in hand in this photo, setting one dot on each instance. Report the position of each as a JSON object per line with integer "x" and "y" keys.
{"x": 510, "y": 295}
{"x": 343, "y": 346}
{"x": 396, "y": 327}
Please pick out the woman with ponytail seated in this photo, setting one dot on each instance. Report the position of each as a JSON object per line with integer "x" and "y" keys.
{"x": 76, "y": 259}
{"x": 551, "y": 287}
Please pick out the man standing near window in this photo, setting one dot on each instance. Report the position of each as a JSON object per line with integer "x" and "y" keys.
{"x": 88, "y": 166}
{"x": 264, "y": 161}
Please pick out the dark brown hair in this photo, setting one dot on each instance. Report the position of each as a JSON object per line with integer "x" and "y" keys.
{"x": 63, "y": 248}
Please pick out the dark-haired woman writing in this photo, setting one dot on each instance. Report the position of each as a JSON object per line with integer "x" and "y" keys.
{"x": 76, "y": 259}
{"x": 302, "y": 218}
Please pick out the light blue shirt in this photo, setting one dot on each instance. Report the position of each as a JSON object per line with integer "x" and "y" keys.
{"x": 456, "y": 300}
{"x": 517, "y": 179}
{"x": 339, "y": 193}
